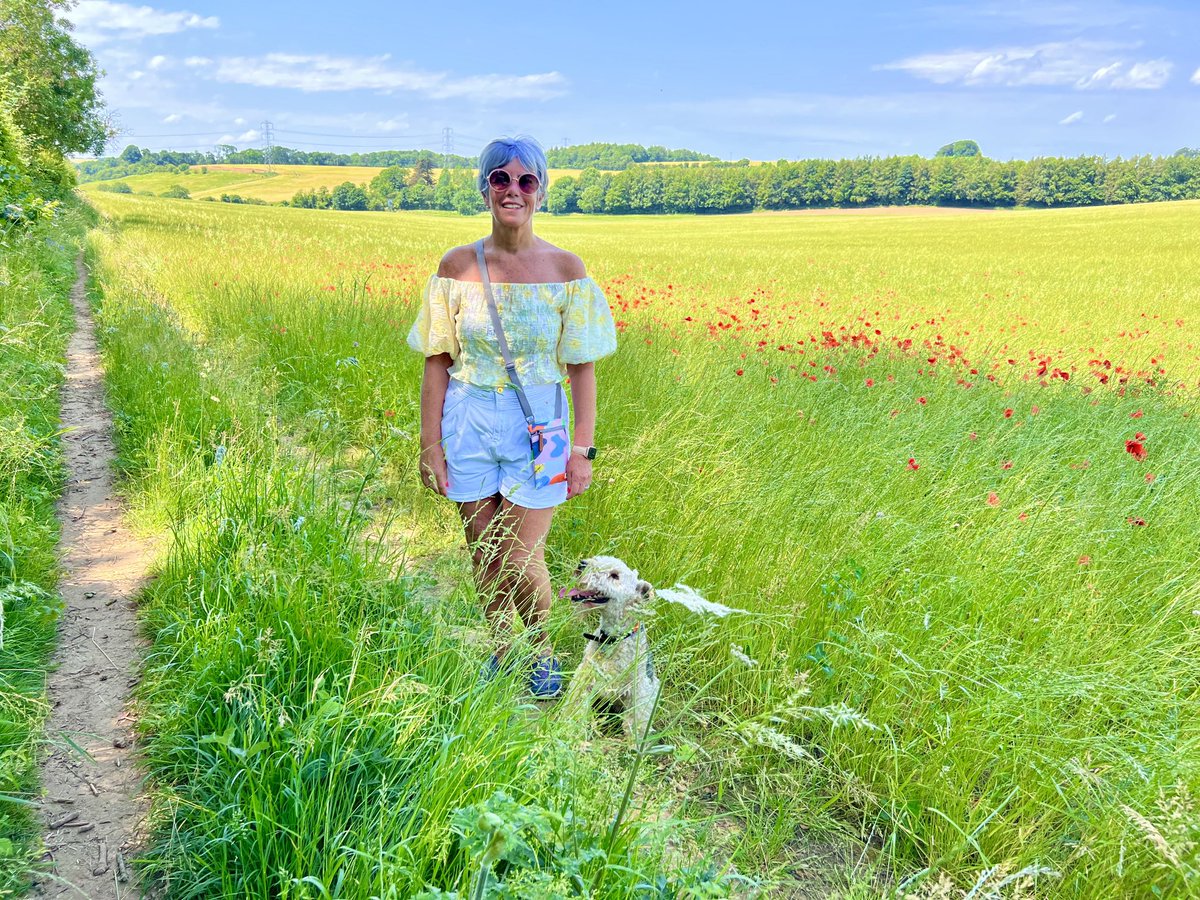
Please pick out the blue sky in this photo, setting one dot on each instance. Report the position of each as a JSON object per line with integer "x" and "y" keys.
{"x": 764, "y": 80}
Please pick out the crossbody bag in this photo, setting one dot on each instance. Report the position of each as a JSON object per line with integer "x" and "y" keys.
{"x": 548, "y": 441}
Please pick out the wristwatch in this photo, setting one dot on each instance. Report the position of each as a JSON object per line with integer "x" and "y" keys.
{"x": 585, "y": 452}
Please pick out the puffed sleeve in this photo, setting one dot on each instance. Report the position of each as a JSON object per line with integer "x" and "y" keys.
{"x": 588, "y": 332}
{"x": 433, "y": 332}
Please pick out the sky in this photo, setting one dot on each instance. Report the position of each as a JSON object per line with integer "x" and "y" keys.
{"x": 761, "y": 80}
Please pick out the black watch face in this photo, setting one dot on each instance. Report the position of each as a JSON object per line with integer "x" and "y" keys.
{"x": 591, "y": 452}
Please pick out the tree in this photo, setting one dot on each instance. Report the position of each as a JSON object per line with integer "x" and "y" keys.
{"x": 960, "y": 148}
{"x": 131, "y": 154}
{"x": 1188, "y": 152}
{"x": 49, "y": 81}
{"x": 348, "y": 195}
{"x": 422, "y": 172}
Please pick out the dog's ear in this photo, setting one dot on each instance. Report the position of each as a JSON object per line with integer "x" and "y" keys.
{"x": 645, "y": 591}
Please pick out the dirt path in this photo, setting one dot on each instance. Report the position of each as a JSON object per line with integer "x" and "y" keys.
{"x": 93, "y": 809}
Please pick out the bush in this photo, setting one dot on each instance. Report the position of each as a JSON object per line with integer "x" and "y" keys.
{"x": 177, "y": 192}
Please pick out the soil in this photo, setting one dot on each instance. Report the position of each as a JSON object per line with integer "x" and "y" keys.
{"x": 93, "y": 806}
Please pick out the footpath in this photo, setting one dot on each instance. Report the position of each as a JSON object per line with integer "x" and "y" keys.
{"x": 93, "y": 807}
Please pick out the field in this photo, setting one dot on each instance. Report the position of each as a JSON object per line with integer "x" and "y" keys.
{"x": 257, "y": 183}
{"x": 944, "y": 464}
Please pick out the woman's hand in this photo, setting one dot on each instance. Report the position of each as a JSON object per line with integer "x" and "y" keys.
{"x": 579, "y": 474}
{"x": 434, "y": 474}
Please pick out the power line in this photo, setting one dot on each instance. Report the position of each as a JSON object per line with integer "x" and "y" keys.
{"x": 368, "y": 137}
{"x": 447, "y": 146}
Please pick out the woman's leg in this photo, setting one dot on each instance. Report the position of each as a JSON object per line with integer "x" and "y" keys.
{"x": 480, "y": 525}
{"x": 522, "y": 555}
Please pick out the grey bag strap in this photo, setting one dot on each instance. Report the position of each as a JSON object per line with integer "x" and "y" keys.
{"x": 510, "y": 365}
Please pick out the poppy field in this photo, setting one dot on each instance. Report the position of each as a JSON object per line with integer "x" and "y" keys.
{"x": 943, "y": 465}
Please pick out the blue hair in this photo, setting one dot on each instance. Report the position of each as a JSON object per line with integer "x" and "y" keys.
{"x": 500, "y": 152}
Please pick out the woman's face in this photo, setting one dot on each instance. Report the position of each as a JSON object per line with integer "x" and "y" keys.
{"x": 512, "y": 207}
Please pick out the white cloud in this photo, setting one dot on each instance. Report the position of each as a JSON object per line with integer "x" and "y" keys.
{"x": 1148, "y": 75}
{"x": 172, "y": 119}
{"x": 1111, "y": 117}
{"x": 196, "y": 62}
{"x": 1077, "y": 63}
{"x": 252, "y": 135}
{"x": 156, "y": 62}
{"x": 226, "y": 139}
{"x": 1072, "y": 118}
{"x": 391, "y": 125}
{"x": 1196, "y": 77}
{"x": 97, "y": 21}
{"x": 239, "y": 121}
{"x": 319, "y": 72}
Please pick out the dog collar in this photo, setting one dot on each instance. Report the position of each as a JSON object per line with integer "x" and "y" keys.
{"x": 601, "y": 638}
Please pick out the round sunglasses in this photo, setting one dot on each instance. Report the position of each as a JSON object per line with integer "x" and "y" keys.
{"x": 500, "y": 180}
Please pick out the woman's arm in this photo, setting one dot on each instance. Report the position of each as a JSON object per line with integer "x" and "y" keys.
{"x": 583, "y": 400}
{"x": 433, "y": 396}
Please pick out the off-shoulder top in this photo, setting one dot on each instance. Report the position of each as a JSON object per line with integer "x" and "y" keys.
{"x": 549, "y": 325}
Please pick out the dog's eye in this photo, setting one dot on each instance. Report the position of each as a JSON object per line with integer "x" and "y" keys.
{"x": 614, "y": 576}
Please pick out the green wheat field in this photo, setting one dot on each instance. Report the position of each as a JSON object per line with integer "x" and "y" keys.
{"x": 944, "y": 464}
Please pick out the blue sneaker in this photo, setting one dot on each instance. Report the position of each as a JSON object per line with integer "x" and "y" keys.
{"x": 545, "y": 682}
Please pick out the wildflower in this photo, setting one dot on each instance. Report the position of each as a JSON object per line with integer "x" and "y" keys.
{"x": 1034, "y": 410}
{"x": 1136, "y": 415}
{"x": 1008, "y": 413}
{"x": 922, "y": 400}
{"x": 993, "y": 498}
{"x": 870, "y": 382}
{"x": 1136, "y": 520}
{"x": 1085, "y": 560}
{"x": 1150, "y": 476}
{"x": 1139, "y": 437}
{"x": 973, "y": 436}
{"x": 389, "y": 413}
{"x": 1136, "y": 448}
{"x": 739, "y": 372}
{"x": 740, "y": 655}
{"x": 1007, "y": 464}
{"x": 913, "y": 464}
{"x": 1022, "y": 517}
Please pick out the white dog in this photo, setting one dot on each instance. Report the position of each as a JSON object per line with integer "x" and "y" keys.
{"x": 616, "y": 674}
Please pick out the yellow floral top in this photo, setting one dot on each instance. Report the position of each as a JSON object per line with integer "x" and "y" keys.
{"x": 548, "y": 325}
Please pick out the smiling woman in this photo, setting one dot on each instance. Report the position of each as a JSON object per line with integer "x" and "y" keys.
{"x": 510, "y": 310}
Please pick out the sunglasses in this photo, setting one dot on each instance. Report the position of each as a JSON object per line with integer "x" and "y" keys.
{"x": 500, "y": 180}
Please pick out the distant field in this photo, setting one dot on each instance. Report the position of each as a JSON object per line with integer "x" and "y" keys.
{"x": 254, "y": 181}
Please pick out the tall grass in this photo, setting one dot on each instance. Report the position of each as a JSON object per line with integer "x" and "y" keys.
{"x": 317, "y": 725}
{"x": 898, "y": 443}
{"x": 36, "y": 272}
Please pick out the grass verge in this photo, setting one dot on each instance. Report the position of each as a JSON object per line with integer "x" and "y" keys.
{"x": 36, "y": 273}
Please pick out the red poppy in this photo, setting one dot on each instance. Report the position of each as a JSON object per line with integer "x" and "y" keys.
{"x": 993, "y": 498}
{"x": 1136, "y": 448}
{"x": 389, "y": 413}
{"x": 913, "y": 464}
{"x": 1139, "y": 437}
{"x": 1150, "y": 476}
{"x": 1034, "y": 410}
{"x": 1007, "y": 464}
{"x": 739, "y": 372}
{"x": 870, "y": 382}
{"x": 1136, "y": 520}
{"x": 922, "y": 400}
{"x": 1136, "y": 415}
{"x": 1084, "y": 560}
{"x": 1008, "y": 413}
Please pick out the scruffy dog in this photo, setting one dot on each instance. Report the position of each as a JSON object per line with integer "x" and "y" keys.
{"x": 616, "y": 674}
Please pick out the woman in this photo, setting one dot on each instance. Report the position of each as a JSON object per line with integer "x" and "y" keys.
{"x": 475, "y": 434}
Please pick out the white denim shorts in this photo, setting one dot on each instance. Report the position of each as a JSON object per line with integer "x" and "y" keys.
{"x": 486, "y": 441}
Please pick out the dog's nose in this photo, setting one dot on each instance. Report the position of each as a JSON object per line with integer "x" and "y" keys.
{"x": 582, "y": 565}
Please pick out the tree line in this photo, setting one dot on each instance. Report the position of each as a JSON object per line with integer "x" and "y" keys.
{"x": 397, "y": 187}
{"x": 615, "y": 157}
{"x": 890, "y": 181}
